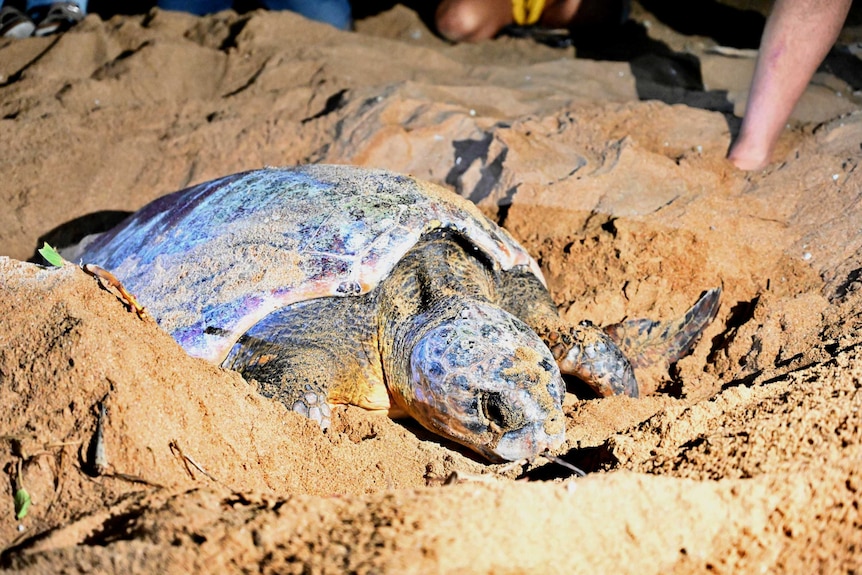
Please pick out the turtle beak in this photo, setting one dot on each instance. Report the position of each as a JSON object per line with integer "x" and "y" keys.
{"x": 525, "y": 443}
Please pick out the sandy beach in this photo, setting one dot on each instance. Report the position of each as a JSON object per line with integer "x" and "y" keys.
{"x": 605, "y": 159}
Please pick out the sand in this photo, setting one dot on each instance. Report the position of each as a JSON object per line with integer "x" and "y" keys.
{"x": 609, "y": 168}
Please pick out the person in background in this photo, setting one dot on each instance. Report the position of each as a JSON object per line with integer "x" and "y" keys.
{"x": 475, "y": 20}
{"x": 40, "y": 18}
{"x": 797, "y": 36}
{"x": 334, "y": 12}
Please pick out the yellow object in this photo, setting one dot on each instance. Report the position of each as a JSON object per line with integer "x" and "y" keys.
{"x": 527, "y": 12}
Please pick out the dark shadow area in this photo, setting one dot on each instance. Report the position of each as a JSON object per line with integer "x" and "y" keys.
{"x": 672, "y": 387}
{"x": 106, "y": 9}
{"x": 740, "y": 314}
{"x": 579, "y": 388}
{"x": 727, "y": 25}
{"x": 423, "y": 434}
{"x": 333, "y": 103}
{"x": 852, "y": 283}
{"x": 588, "y": 459}
{"x": 660, "y": 73}
{"x": 843, "y": 64}
{"x": 793, "y": 364}
{"x": 466, "y": 152}
{"x": 74, "y": 231}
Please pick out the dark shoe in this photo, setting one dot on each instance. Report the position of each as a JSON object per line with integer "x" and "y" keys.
{"x": 15, "y": 24}
{"x": 60, "y": 17}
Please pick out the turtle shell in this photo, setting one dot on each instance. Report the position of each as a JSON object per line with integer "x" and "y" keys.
{"x": 212, "y": 260}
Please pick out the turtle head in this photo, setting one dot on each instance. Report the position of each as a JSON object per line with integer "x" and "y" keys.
{"x": 483, "y": 378}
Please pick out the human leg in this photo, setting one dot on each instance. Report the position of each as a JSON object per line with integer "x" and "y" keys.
{"x": 797, "y": 36}
{"x": 472, "y": 20}
{"x": 475, "y": 20}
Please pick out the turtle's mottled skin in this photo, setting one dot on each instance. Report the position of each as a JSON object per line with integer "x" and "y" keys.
{"x": 333, "y": 284}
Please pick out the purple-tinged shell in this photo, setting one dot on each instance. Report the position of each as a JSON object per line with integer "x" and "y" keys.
{"x": 212, "y": 260}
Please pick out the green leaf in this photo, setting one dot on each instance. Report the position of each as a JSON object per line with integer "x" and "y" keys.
{"x": 51, "y": 255}
{"x": 22, "y": 503}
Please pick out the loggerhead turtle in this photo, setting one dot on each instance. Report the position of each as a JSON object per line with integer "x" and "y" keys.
{"x": 334, "y": 284}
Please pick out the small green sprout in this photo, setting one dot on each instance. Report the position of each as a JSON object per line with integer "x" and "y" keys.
{"x": 22, "y": 498}
{"x": 22, "y": 503}
{"x": 51, "y": 255}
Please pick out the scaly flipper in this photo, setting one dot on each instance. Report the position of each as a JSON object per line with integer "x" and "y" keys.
{"x": 646, "y": 342}
{"x": 583, "y": 351}
{"x": 313, "y": 355}
{"x": 604, "y": 358}
{"x": 592, "y": 356}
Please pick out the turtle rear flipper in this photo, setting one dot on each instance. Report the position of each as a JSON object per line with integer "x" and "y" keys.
{"x": 646, "y": 342}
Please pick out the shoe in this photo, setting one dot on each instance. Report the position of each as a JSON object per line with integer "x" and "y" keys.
{"x": 15, "y": 24}
{"x": 60, "y": 17}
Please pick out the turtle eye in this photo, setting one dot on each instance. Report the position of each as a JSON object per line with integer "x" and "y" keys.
{"x": 493, "y": 409}
{"x": 501, "y": 415}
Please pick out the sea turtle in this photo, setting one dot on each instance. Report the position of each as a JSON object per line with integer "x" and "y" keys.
{"x": 335, "y": 284}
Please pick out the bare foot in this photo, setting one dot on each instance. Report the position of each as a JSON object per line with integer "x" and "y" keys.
{"x": 748, "y": 157}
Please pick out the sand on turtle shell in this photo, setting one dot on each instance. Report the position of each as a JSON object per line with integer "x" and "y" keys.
{"x": 746, "y": 457}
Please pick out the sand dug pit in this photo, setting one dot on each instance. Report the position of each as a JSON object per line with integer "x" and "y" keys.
{"x": 608, "y": 167}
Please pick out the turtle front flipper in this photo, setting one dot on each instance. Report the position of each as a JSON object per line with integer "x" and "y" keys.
{"x": 604, "y": 358}
{"x": 583, "y": 351}
{"x": 313, "y": 355}
{"x": 278, "y": 371}
{"x": 589, "y": 354}
{"x": 647, "y": 343}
